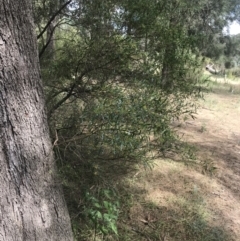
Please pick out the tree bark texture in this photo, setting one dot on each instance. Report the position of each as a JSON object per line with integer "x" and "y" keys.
{"x": 32, "y": 206}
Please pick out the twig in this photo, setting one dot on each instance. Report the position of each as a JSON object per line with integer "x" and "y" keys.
{"x": 52, "y": 18}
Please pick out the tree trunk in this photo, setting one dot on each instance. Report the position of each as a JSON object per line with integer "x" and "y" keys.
{"x": 32, "y": 206}
{"x": 54, "y": 6}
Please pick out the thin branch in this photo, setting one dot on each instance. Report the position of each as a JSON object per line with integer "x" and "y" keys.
{"x": 61, "y": 22}
{"x": 46, "y": 45}
{"x": 56, "y": 139}
{"x": 62, "y": 100}
{"x": 52, "y": 18}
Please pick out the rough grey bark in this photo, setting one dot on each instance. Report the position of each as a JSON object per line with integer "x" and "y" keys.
{"x": 32, "y": 206}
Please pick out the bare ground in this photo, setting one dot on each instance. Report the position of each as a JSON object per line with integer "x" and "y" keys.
{"x": 216, "y": 134}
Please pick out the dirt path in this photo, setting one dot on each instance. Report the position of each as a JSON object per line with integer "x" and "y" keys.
{"x": 216, "y": 134}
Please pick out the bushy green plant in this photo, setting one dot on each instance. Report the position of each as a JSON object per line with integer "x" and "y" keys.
{"x": 102, "y": 211}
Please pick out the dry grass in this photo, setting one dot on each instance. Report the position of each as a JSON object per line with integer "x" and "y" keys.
{"x": 181, "y": 200}
{"x": 200, "y": 202}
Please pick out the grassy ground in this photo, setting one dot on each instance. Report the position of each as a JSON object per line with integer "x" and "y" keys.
{"x": 193, "y": 197}
{"x": 200, "y": 200}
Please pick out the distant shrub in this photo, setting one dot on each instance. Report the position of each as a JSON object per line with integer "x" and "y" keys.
{"x": 236, "y": 71}
{"x": 228, "y": 64}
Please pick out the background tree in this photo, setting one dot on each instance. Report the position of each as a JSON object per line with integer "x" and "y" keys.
{"x": 32, "y": 204}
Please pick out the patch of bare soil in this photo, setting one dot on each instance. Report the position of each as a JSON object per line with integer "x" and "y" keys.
{"x": 216, "y": 134}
